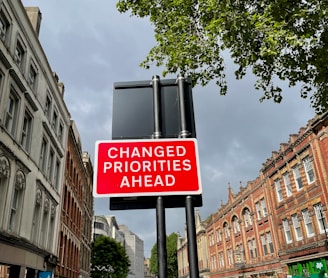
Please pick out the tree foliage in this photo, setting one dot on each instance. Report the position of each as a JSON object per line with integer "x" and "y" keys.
{"x": 276, "y": 40}
{"x": 108, "y": 258}
{"x": 172, "y": 261}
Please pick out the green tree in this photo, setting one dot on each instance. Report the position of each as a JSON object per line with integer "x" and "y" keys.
{"x": 172, "y": 261}
{"x": 276, "y": 40}
{"x": 108, "y": 258}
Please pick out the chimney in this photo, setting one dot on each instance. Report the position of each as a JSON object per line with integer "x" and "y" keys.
{"x": 35, "y": 17}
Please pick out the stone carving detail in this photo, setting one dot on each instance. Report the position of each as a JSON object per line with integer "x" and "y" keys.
{"x": 38, "y": 198}
{"x": 4, "y": 167}
{"x": 46, "y": 205}
{"x": 20, "y": 180}
{"x": 53, "y": 211}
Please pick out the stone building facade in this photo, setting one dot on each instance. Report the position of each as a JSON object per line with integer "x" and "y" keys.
{"x": 34, "y": 124}
{"x": 44, "y": 227}
{"x": 182, "y": 254}
{"x": 276, "y": 225}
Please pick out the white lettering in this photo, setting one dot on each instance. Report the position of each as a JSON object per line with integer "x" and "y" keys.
{"x": 135, "y": 152}
{"x": 181, "y": 151}
{"x": 135, "y": 166}
{"x": 107, "y": 166}
{"x": 176, "y": 165}
{"x": 147, "y": 181}
{"x": 169, "y": 180}
{"x": 118, "y": 166}
{"x": 136, "y": 181}
{"x": 186, "y": 165}
{"x": 125, "y": 182}
{"x": 109, "y": 153}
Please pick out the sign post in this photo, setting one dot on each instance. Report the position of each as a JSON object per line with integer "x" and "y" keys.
{"x": 152, "y": 161}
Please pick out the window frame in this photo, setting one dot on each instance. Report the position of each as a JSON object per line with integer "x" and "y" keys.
{"x": 11, "y": 124}
{"x": 19, "y": 54}
{"x": 26, "y": 135}
{"x": 32, "y": 76}
{"x": 298, "y": 177}
{"x": 287, "y": 231}
{"x": 288, "y": 184}
{"x": 308, "y": 169}
{"x": 308, "y": 223}
{"x": 6, "y": 22}
{"x": 320, "y": 217}
{"x": 277, "y": 185}
{"x": 297, "y": 227}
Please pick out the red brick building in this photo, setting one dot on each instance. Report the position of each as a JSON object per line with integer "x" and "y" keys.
{"x": 276, "y": 226}
{"x": 76, "y": 211}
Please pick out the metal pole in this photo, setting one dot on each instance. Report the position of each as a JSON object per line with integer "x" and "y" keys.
{"x": 160, "y": 208}
{"x": 190, "y": 213}
{"x": 157, "y": 107}
{"x": 192, "y": 241}
{"x": 161, "y": 238}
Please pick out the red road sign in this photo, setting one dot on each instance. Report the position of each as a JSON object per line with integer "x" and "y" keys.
{"x": 126, "y": 168}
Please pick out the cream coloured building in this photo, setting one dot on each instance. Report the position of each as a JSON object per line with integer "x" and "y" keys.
{"x": 34, "y": 122}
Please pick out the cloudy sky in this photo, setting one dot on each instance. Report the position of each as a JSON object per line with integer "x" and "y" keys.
{"x": 90, "y": 46}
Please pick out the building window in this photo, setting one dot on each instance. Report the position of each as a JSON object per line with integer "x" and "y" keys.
{"x": 252, "y": 248}
{"x": 297, "y": 177}
{"x": 288, "y": 184}
{"x": 12, "y": 114}
{"x": 226, "y": 230}
{"x": 269, "y": 242}
{"x": 4, "y": 26}
{"x": 221, "y": 259}
{"x": 19, "y": 55}
{"x": 308, "y": 223}
{"x": 264, "y": 245}
{"x": 4, "y": 184}
{"x": 43, "y": 154}
{"x": 308, "y": 170}
{"x": 288, "y": 235}
{"x": 247, "y": 217}
{"x": 16, "y": 202}
{"x": 297, "y": 227}
{"x": 213, "y": 262}
{"x": 99, "y": 225}
{"x": 235, "y": 224}
{"x": 32, "y": 76}
{"x": 321, "y": 219}
{"x": 36, "y": 216}
{"x": 26, "y": 131}
{"x": 230, "y": 257}
{"x": 55, "y": 121}
{"x": 51, "y": 227}
{"x": 263, "y": 207}
{"x": 258, "y": 210}
{"x": 45, "y": 222}
{"x": 56, "y": 174}
{"x": 211, "y": 239}
{"x": 50, "y": 166}
{"x": 47, "y": 107}
{"x": 61, "y": 132}
{"x": 218, "y": 235}
{"x": 278, "y": 190}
